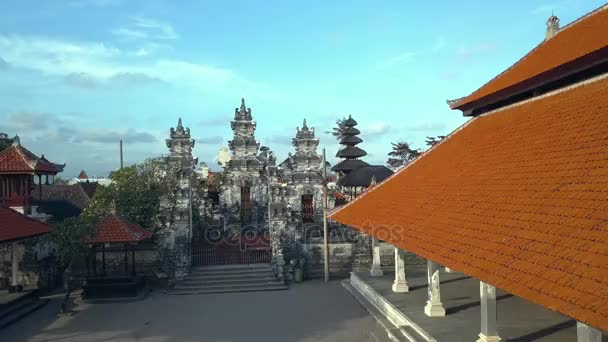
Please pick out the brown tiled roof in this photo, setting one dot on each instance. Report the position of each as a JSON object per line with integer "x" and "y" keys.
{"x": 576, "y": 40}
{"x": 18, "y": 159}
{"x": 116, "y": 229}
{"x": 16, "y": 226}
{"x": 517, "y": 198}
{"x": 73, "y": 194}
{"x": 89, "y": 188}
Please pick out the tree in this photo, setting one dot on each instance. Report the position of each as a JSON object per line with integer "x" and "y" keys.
{"x": 401, "y": 154}
{"x": 69, "y": 239}
{"x": 431, "y": 141}
{"x": 136, "y": 192}
{"x": 338, "y": 129}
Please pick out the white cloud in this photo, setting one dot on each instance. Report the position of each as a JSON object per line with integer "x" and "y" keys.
{"x": 146, "y": 28}
{"x": 84, "y": 63}
{"x": 424, "y": 126}
{"x": 405, "y": 56}
{"x": 440, "y": 43}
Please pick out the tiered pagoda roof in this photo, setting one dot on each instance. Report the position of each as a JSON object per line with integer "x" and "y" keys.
{"x": 15, "y": 226}
{"x": 514, "y": 208}
{"x": 365, "y": 175}
{"x": 116, "y": 229}
{"x": 16, "y": 159}
{"x": 350, "y": 152}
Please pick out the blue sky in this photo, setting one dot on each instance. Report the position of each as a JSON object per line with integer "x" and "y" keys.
{"x": 78, "y": 75}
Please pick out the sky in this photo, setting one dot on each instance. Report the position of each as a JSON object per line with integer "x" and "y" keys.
{"x": 76, "y": 76}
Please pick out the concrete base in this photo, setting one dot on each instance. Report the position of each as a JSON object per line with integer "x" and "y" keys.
{"x": 434, "y": 309}
{"x": 400, "y": 288}
{"x": 484, "y": 338}
{"x": 376, "y": 272}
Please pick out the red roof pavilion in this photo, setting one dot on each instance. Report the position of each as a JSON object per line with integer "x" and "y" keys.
{"x": 516, "y": 197}
{"x": 15, "y": 226}
{"x": 115, "y": 229}
{"x": 16, "y": 159}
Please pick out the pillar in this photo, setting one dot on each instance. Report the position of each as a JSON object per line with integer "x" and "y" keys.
{"x": 376, "y": 270}
{"x": 585, "y": 333}
{"x": 434, "y": 307}
{"x": 15, "y": 265}
{"x": 489, "y": 330}
{"x": 400, "y": 284}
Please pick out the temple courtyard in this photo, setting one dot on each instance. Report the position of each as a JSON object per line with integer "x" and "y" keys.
{"x": 309, "y": 311}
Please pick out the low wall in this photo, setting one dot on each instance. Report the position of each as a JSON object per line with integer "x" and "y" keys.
{"x": 341, "y": 259}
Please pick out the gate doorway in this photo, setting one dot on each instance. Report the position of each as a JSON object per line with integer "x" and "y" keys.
{"x": 308, "y": 211}
{"x": 249, "y": 248}
{"x": 245, "y": 205}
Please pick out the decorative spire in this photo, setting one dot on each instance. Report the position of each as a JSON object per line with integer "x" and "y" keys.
{"x": 179, "y": 123}
{"x": 552, "y": 26}
{"x": 304, "y": 124}
{"x": 113, "y": 207}
{"x": 242, "y": 113}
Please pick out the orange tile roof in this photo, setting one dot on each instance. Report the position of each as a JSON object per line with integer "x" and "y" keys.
{"x": 517, "y": 198}
{"x": 18, "y": 159}
{"x": 16, "y": 226}
{"x": 588, "y": 34}
{"x": 115, "y": 229}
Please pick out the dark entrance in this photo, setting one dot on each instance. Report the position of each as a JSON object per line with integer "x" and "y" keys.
{"x": 245, "y": 205}
{"x": 250, "y": 247}
{"x": 308, "y": 211}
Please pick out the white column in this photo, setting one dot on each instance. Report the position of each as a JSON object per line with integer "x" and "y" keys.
{"x": 489, "y": 330}
{"x": 15, "y": 266}
{"x": 434, "y": 307}
{"x": 376, "y": 270}
{"x": 585, "y": 333}
{"x": 400, "y": 284}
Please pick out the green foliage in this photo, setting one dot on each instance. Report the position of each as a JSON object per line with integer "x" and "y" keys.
{"x": 402, "y": 154}
{"x": 337, "y": 131}
{"x": 69, "y": 238}
{"x": 431, "y": 141}
{"x": 136, "y": 193}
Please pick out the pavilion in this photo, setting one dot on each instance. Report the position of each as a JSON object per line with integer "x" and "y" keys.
{"x": 114, "y": 230}
{"x": 14, "y": 228}
{"x": 517, "y": 197}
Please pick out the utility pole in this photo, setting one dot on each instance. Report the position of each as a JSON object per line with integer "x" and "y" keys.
{"x": 325, "y": 247}
{"x": 121, "y": 164}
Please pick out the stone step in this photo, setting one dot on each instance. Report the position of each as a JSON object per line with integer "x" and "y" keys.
{"x": 234, "y": 280}
{"x": 20, "y": 310}
{"x": 252, "y": 288}
{"x": 230, "y": 270}
{"x": 230, "y": 273}
{"x": 227, "y": 275}
{"x": 226, "y": 285}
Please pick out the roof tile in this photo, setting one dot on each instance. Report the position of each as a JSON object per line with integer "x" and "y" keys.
{"x": 517, "y": 198}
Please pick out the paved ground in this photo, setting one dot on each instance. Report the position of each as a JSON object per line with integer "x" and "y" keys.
{"x": 518, "y": 319}
{"x": 310, "y": 311}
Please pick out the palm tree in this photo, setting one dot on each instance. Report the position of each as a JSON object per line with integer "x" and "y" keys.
{"x": 337, "y": 131}
{"x": 431, "y": 141}
{"x": 401, "y": 154}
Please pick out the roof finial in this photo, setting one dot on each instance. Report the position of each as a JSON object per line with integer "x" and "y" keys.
{"x": 113, "y": 207}
{"x": 179, "y": 123}
{"x": 552, "y": 26}
{"x": 243, "y": 104}
{"x": 304, "y": 126}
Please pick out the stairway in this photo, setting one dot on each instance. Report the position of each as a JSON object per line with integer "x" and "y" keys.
{"x": 24, "y": 304}
{"x": 228, "y": 278}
